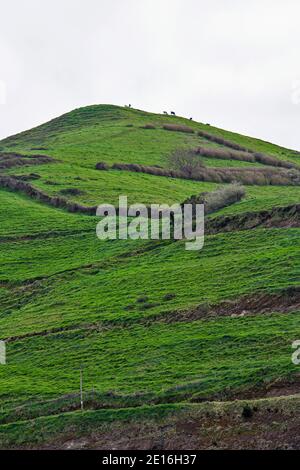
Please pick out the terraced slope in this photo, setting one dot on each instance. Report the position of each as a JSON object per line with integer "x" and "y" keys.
{"x": 155, "y": 328}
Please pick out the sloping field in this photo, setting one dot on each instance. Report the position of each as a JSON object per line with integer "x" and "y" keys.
{"x": 155, "y": 329}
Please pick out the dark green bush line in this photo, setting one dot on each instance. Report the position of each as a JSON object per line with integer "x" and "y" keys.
{"x": 246, "y": 154}
{"x": 248, "y": 176}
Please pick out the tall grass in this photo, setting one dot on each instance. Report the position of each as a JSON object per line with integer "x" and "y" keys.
{"x": 221, "y": 197}
{"x": 246, "y": 155}
{"x": 178, "y": 128}
{"x": 197, "y": 172}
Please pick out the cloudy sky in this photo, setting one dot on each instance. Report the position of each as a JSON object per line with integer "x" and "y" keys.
{"x": 232, "y": 63}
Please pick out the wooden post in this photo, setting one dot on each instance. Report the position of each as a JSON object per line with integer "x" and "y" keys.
{"x": 81, "y": 390}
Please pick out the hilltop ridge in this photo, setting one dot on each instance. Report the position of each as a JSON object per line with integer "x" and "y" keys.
{"x": 105, "y": 113}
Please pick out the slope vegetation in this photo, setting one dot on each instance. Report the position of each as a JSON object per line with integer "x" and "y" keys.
{"x": 156, "y": 329}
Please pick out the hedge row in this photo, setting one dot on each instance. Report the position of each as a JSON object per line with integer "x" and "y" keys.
{"x": 247, "y": 176}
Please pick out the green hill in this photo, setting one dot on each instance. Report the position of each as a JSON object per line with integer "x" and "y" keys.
{"x": 156, "y": 329}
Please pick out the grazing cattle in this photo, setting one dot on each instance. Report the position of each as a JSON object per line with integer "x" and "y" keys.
{"x": 165, "y": 112}
{"x": 191, "y": 119}
{"x": 173, "y": 114}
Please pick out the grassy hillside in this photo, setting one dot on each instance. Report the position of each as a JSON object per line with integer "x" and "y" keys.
{"x": 82, "y": 138}
{"x": 144, "y": 319}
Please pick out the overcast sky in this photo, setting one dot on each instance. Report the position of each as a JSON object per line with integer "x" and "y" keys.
{"x": 232, "y": 63}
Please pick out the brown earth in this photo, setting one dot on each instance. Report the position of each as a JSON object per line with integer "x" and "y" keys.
{"x": 285, "y": 301}
{"x": 268, "y": 425}
{"x": 281, "y": 217}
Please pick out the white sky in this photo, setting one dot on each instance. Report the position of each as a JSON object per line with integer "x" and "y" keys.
{"x": 232, "y": 63}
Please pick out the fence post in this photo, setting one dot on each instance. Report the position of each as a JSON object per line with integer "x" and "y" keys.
{"x": 81, "y": 390}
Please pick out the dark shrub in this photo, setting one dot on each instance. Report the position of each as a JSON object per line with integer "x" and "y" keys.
{"x": 147, "y": 305}
{"x": 71, "y": 192}
{"x": 39, "y": 148}
{"x": 51, "y": 183}
{"x": 294, "y": 176}
{"x": 247, "y": 412}
{"x": 120, "y": 166}
{"x": 148, "y": 126}
{"x": 142, "y": 299}
{"x": 168, "y": 297}
{"x": 30, "y": 177}
{"x": 102, "y": 166}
